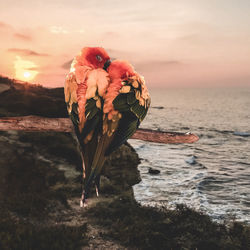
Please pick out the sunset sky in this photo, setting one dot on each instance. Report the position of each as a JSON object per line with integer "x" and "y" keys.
{"x": 171, "y": 43}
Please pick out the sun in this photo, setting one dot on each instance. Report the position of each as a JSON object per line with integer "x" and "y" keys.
{"x": 26, "y": 74}
{"x": 25, "y": 70}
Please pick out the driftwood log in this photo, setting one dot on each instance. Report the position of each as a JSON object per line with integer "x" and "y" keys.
{"x": 43, "y": 124}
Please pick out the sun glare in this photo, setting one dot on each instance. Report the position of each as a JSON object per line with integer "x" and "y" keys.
{"x": 25, "y": 70}
{"x": 26, "y": 74}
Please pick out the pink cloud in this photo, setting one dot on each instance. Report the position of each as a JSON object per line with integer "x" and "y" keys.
{"x": 153, "y": 65}
{"x": 67, "y": 64}
{"x": 22, "y": 37}
{"x": 26, "y": 52}
{"x": 5, "y": 26}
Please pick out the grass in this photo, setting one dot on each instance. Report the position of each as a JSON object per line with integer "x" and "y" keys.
{"x": 24, "y": 235}
{"x": 28, "y": 99}
{"x": 33, "y": 197}
{"x": 27, "y": 183}
{"x": 159, "y": 228}
{"x": 56, "y": 144}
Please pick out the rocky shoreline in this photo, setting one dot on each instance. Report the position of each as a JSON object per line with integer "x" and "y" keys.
{"x": 40, "y": 183}
{"x": 40, "y": 189}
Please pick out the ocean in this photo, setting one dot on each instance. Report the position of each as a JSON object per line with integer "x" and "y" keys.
{"x": 211, "y": 175}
